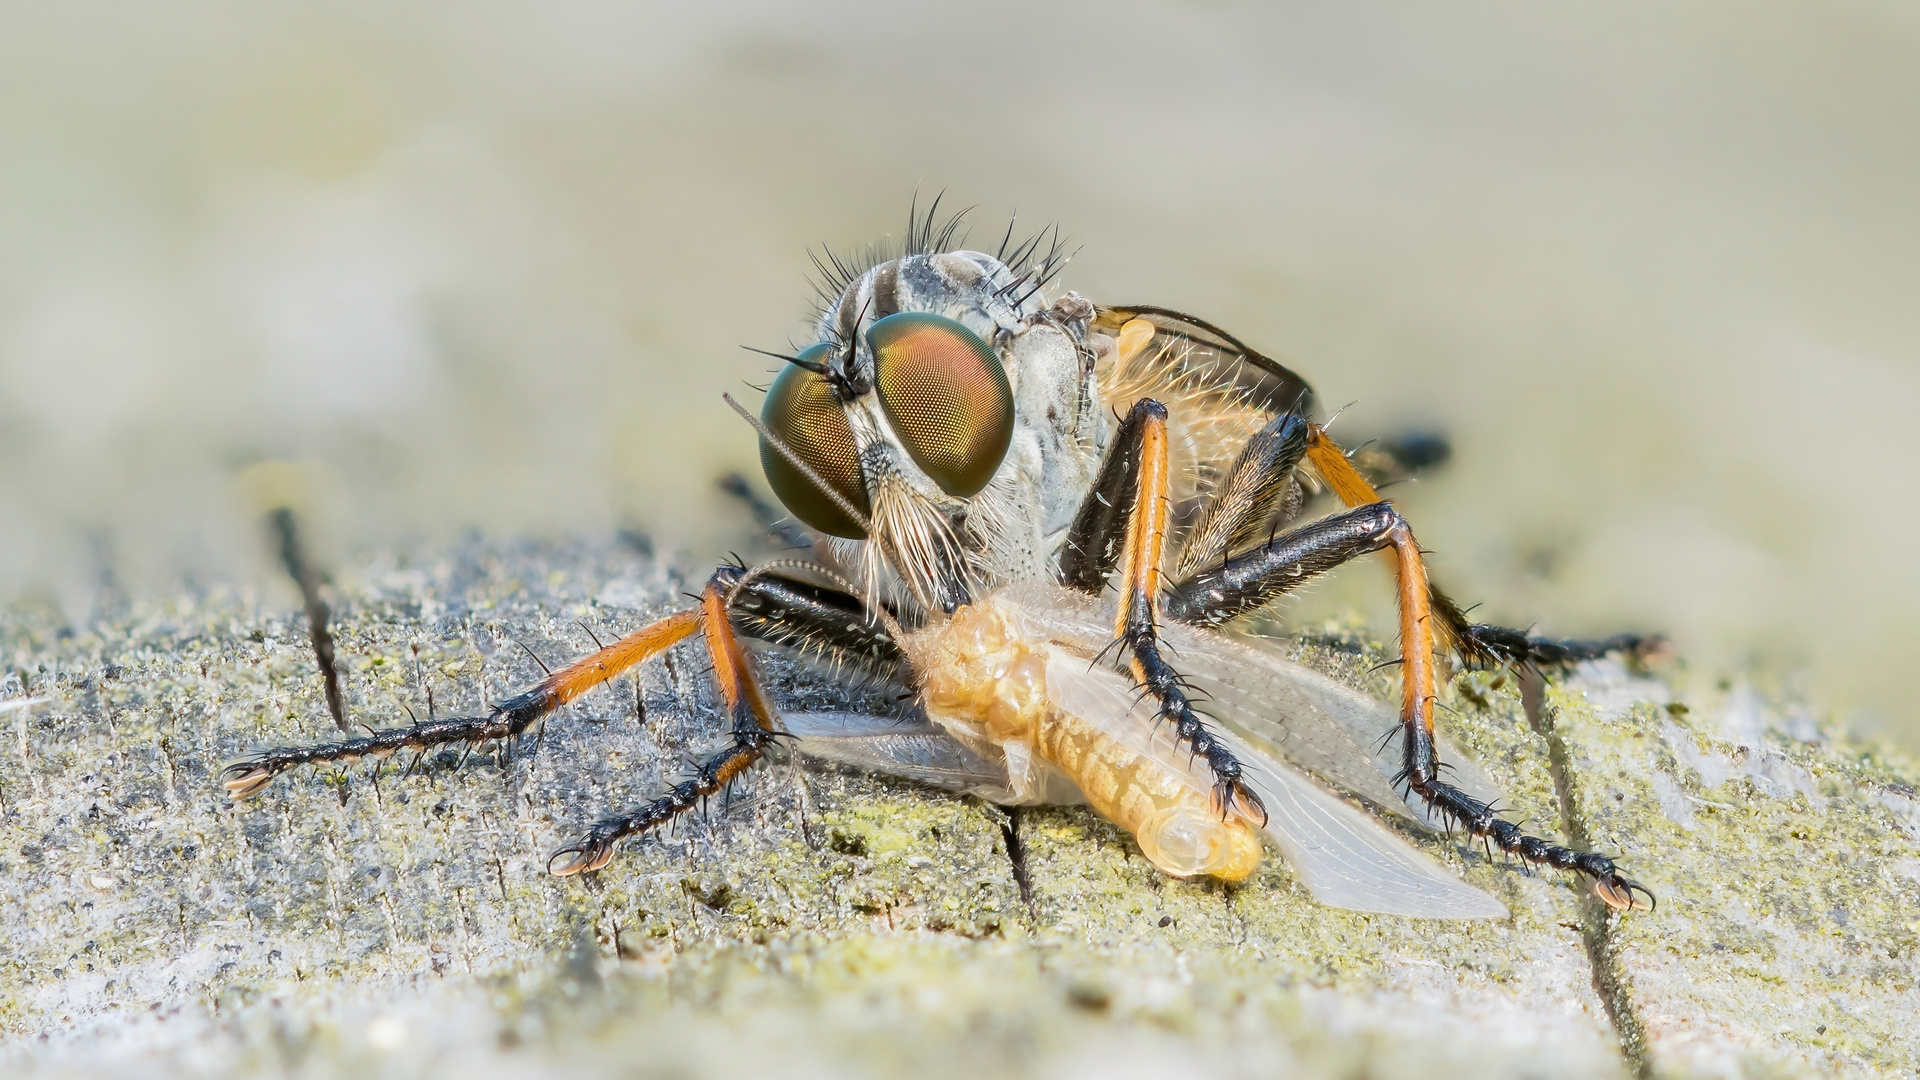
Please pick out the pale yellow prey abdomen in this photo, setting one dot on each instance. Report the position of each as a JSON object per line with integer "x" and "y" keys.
{"x": 1011, "y": 694}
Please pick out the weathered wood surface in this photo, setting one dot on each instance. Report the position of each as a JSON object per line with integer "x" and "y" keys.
{"x": 335, "y": 927}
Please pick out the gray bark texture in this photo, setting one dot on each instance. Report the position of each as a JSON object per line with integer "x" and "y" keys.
{"x": 827, "y": 924}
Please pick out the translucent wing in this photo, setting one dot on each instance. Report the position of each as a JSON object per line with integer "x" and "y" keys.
{"x": 1344, "y": 857}
{"x": 1279, "y": 706}
{"x": 912, "y": 748}
{"x": 1208, "y": 355}
{"x": 1347, "y": 859}
{"x": 1217, "y": 391}
{"x": 1316, "y": 722}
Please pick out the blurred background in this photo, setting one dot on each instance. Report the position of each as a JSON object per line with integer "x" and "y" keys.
{"x": 1651, "y": 267}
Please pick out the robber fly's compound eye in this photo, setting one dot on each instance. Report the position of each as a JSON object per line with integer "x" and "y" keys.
{"x": 946, "y": 396}
{"x": 802, "y": 412}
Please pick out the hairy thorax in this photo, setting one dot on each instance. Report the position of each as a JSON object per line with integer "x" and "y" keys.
{"x": 1015, "y": 696}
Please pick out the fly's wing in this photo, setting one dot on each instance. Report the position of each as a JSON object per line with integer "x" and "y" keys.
{"x": 1344, "y": 857}
{"x": 1217, "y": 391}
{"x": 1253, "y": 690}
{"x": 1204, "y": 353}
{"x": 912, "y": 748}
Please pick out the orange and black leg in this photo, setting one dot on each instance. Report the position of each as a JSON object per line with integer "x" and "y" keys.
{"x": 510, "y": 718}
{"x": 1420, "y": 768}
{"x": 827, "y": 624}
{"x": 754, "y": 729}
{"x": 1122, "y": 525}
{"x": 770, "y": 607}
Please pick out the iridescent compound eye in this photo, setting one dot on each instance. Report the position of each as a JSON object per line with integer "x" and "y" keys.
{"x": 946, "y": 396}
{"x": 802, "y": 412}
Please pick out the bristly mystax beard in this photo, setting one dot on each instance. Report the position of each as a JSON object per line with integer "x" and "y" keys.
{"x": 912, "y": 538}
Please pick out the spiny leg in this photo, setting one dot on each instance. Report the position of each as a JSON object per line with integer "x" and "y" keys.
{"x": 1255, "y": 490}
{"x": 769, "y": 607}
{"x": 830, "y": 624}
{"x": 1420, "y": 765}
{"x": 1483, "y": 645}
{"x": 1130, "y": 495}
{"x": 1099, "y": 528}
{"x": 512, "y": 717}
{"x": 1480, "y": 644}
{"x": 1247, "y": 582}
{"x": 753, "y": 731}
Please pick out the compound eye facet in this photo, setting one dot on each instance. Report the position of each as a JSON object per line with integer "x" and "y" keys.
{"x": 802, "y": 411}
{"x": 946, "y": 395}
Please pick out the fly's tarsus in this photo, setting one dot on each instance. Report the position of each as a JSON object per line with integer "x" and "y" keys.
{"x": 512, "y": 717}
{"x": 595, "y": 849}
{"x": 1469, "y": 814}
{"x": 1230, "y": 789}
{"x": 1483, "y": 645}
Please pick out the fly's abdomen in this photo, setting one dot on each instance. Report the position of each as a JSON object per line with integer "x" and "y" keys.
{"x": 988, "y": 681}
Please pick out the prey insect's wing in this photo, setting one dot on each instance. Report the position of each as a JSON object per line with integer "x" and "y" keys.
{"x": 1250, "y": 687}
{"x": 911, "y": 748}
{"x": 1316, "y": 722}
{"x": 1344, "y": 857}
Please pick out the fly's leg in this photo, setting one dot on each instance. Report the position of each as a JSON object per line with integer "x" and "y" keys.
{"x": 769, "y": 607}
{"x": 1482, "y": 645}
{"x": 766, "y": 606}
{"x": 1420, "y": 768}
{"x": 825, "y": 623}
{"x": 1252, "y": 579}
{"x": 754, "y": 729}
{"x": 512, "y": 717}
{"x": 1260, "y": 485}
{"x": 1479, "y": 644}
{"x": 1092, "y": 550}
{"x": 1122, "y": 524}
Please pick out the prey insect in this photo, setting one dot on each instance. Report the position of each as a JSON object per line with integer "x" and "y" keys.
{"x": 1041, "y": 517}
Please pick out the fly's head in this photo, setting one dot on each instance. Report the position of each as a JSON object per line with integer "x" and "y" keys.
{"x": 948, "y": 420}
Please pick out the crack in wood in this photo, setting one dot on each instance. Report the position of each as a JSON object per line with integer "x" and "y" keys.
{"x": 1603, "y": 947}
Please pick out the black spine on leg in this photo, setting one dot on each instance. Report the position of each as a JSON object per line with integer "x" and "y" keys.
{"x": 1100, "y": 525}
{"x": 1252, "y": 579}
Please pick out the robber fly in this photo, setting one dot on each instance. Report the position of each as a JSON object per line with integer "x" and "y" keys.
{"x": 1040, "y": 516}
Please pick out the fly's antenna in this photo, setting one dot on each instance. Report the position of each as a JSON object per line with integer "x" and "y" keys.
{"x": 806, "y": 470}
